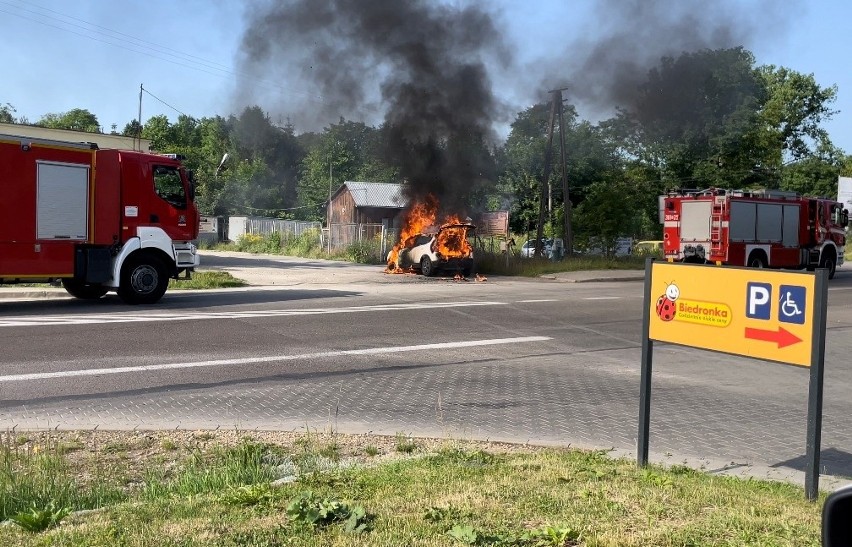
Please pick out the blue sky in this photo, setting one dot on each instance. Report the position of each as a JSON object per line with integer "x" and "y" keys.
{"x": 94, "y": 54}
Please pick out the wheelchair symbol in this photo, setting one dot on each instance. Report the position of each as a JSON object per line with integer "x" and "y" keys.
{"x": 788, "y": 306}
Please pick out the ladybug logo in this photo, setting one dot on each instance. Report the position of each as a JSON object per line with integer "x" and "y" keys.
{"x": 666, "y": 303}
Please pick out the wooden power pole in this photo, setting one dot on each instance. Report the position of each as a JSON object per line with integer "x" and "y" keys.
{"x": 556, "y": 105}
{"x": 544, "y": 180}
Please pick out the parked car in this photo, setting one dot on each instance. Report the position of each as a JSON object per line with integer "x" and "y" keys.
{"x": 528, "y": 248}
{"x": 444, "y": 249}
{"x": 595, "y": 246}
{"x": 648, "y": 248}
{"x": 551, "y": 248}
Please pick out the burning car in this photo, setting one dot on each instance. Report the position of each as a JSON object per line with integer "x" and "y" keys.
{"x": 445, "y": 248}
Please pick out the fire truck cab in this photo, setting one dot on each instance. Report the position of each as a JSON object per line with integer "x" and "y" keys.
{"x": 755, "y": 228}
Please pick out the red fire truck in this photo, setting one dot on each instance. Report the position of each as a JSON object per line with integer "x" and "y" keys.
{"x": 756, "y": 228}
{"x": 98, "y": 220}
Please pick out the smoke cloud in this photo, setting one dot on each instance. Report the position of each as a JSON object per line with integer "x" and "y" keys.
{"x": 604, "y": 67}
{"x": 428, "y": 70}
{"x": 421, "y": 65}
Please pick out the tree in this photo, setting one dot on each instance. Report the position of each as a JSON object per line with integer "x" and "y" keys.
{"x": 77, "y": 119}
{"x": 344, "y": 151}
{"x": 256, "y": 139}
{"x": 694, "y": 119}
{"x": 791, "y": 116}
{"x": 6, "y": 113}
{"x": 519, "y": 185}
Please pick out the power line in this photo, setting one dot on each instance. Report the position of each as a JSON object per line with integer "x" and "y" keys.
{"x": 167, "y": 104}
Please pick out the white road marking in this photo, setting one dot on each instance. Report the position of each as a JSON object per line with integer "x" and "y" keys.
{"x": 269, "y": 359}
{"x": 538, "y": 300}
{"x": 602, "y": 298}
{"x": 94, "y": 319}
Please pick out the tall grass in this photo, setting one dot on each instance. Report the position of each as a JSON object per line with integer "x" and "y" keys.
{"x": 307, "y": 245}
{"x": 247, "y": 464}
{"x": 34, "y": 475}
{"x": 496, "y": 264}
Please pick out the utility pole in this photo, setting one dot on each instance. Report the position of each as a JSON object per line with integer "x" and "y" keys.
{"x": 566, "y": 197}
{"x": 139, "y": 119}
{"x": 545, "y": 183}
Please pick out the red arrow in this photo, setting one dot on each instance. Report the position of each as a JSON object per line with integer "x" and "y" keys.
{"x": 782, "y": 336}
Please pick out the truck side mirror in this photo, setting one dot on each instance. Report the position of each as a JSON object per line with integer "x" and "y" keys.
{"x": 837, "y": 518}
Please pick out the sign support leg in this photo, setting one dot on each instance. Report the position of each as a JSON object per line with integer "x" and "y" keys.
{"x": 815, "y": 386}
{"x": 645, "y": 385}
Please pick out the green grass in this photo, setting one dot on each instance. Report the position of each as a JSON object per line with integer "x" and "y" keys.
{"x": 450, "y": 493}
{"x": 207, "y": 279}
{"x": 495, "y": 264}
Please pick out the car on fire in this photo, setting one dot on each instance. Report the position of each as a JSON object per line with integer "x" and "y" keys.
{"x": 445, "y": 248}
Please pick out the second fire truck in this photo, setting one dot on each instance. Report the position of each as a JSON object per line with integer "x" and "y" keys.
{"x": 755, "y": 228}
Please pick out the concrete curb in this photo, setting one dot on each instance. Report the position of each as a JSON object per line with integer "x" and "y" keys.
{"x": 591, "y": 279}
{"x": 29, "y": 293}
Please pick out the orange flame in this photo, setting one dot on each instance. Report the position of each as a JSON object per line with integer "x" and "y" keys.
{"x": 451, "y": 242}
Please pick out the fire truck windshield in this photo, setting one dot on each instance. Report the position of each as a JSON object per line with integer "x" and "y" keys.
{"x": 169, "y": 185}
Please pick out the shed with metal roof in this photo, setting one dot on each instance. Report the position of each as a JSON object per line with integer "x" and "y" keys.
{"x": 367, "y": 203}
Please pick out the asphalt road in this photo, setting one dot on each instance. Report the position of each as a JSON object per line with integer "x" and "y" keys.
{"x": 324, "y": 345}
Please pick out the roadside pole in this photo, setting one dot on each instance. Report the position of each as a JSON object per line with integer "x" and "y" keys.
{"x": 812, "y": 451}
{"x": 645, "y": 383}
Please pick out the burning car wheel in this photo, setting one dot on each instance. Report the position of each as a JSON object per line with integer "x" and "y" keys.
{"x": 427, "y": 268}
{"x": 143, "y": 280}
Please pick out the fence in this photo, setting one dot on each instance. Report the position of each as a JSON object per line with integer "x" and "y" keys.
{"x": 377, "y": 236}
{"x": 240, "y": 226}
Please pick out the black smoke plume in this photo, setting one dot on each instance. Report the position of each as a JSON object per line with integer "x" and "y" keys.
{"x": 604, "y": 67}
{"x": 420, "y": 66}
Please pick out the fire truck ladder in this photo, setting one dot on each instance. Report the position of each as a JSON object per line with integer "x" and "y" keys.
{"x": 716, "y": 226}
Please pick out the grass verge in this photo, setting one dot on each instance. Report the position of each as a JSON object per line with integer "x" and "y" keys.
{"x": 207, "y": 279}
{"x": 269, "y": 489}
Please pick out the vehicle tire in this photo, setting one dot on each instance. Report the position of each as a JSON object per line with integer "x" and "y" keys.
{"x": 756, "y": 260}
{"x": 427, "y": 268}
{"x": 828, "y": 260}
{"x": 143, "y": 280}
{"x": 84, "y": 291}
{"x": 466, "y": 272}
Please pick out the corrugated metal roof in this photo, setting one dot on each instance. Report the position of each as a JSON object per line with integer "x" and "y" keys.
{"x": 377, "y": 194}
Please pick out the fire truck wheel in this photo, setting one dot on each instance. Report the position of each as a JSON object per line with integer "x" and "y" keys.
{"x": 426, "y": 267}
{"x": 143, "y": 280}
{"x": 84, "y": 291}
{"x": 757, "y": 260}
{"x": 828, "y": 260}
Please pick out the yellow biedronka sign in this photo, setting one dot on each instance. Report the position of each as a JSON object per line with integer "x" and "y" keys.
{"x": 757, "y": 313}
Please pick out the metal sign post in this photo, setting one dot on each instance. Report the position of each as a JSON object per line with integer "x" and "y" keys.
{"x": 814, "y": 435}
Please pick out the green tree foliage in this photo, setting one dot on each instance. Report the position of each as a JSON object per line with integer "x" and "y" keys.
{"x": 694, "y": 119}
{"x": 792, "y": 115}
{"x": 344, "y": 151}
{"x": 256, "y": 141}
{"x": 607, "y": 213}
{"x": 7, "y": 113}
{"x": 521, "y": 163}
{"x": 77, "y": 119}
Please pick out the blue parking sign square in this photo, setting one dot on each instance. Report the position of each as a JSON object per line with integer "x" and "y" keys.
{"x": 758, "y": 300}
{"x": 791, "y": 304}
